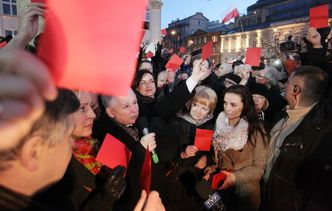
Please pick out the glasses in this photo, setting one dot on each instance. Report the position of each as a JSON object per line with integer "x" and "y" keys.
{"x": 145, "y": 83}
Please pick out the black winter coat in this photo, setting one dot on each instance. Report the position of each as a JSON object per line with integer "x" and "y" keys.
{"x": 301, "y": 177}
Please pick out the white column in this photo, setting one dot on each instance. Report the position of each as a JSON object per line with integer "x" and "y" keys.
{"x": 155, "y": 20}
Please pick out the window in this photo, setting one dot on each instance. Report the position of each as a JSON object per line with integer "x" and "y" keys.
{"x": 199, "y": 22}
{"x": 9, "y": 7}
{"x": 10, "y": 32}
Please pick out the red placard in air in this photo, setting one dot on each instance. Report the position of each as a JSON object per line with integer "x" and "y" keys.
{"x": 319, "y": 16}
{"x": 253, "y": 56}
{"x": 174, "y": 63}
{"x": 206, "y": 50}
{"x": 182, "y": 50}
{"x": 92, "y": 49}
{"x": 163, "y": 32}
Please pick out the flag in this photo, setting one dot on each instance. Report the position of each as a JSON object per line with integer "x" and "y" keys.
{"x": 232, "y": 13}
{"x": 145, "y": 177}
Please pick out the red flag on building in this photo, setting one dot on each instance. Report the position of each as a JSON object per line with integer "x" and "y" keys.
{"x": 231, "y": 13}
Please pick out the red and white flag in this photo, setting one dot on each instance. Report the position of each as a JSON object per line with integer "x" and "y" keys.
{"x": 230, "y": 13}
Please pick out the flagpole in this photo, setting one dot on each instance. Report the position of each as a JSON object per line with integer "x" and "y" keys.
{"x": 240, "y": 21}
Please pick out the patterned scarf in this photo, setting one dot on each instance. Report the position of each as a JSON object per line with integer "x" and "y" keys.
{"x": 85, "y": 151}
{"x": 228, "y": 137}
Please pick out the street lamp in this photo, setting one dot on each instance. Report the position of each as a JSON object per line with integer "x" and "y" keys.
{"x": 173, "y": 32}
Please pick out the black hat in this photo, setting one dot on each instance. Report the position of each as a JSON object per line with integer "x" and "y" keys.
{"x": 260, "y": 89}
{"x": 196, "y": 52}
{"x": 233, "y": 77}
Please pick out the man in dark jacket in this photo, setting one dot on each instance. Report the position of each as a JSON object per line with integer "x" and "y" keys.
{"x": 299, "y": 167}
{"x": 118, "y": 119}
{"x": 39, "y": 159}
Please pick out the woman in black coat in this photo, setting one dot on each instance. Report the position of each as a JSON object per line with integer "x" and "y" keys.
{"x": 176, "y": 136}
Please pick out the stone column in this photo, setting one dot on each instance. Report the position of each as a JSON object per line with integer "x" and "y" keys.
{"x": 155, "y": 20}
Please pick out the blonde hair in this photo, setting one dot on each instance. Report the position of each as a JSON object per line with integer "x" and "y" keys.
{"x": 206, "y": 96}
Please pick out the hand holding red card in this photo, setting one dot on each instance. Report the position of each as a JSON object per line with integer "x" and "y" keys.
{"x": 174, "y": 63}
{"x": 253, "y": 56}
{"x": 217, "y": 180}
{"x": 319, "y": 16}
{"x": 113, "y": 153}
{"x": 206, "y": 50}
{"x": 203, "y": 139}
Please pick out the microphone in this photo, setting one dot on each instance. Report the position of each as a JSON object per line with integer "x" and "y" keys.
{"x": 212, "y": 200}
{"x": 143, "y": 125}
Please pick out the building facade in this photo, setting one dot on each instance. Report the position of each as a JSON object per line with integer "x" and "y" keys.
{"x": 152, "y": 22}
{"x": 267, "y": 24}
{"x": 180, "y": 29}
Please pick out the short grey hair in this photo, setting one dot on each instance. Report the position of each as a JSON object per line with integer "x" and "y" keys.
{"x": 107, "y": 100}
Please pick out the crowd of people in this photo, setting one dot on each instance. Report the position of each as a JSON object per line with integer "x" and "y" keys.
{"x": 272, "y": 131}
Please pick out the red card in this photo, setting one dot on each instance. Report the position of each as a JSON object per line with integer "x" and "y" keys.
{"x": 206, "y": 50}
{"x": 182, "y": 50}
{"x": 216, "y": 179}
{"x": 253, "y": 56}
{"x": 174, "y": 63}
{"x": 203, "y": 139}
{"x": 113, "y": 153}
{"x": 145, "y": 178}
{"x": 100, "y": 59}
{"x": 149, "y": 55}
{"x": 163, "y": 32}
{"x": 319, "y": 16}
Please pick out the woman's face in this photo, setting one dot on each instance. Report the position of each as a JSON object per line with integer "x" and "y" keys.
{"x": 84, "y": 117}
{"x": 199, "y": 111}
{"x": 146, "y": 86}
{"x": 220, "y": 71}
{"x": 233, "y": 106}
{"x": 260, "y": 102}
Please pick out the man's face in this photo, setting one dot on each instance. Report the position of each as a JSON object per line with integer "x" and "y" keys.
{"x": 292, "y": 89}
{"x": 55, "y": 159}
{"x": 124, "y": 109}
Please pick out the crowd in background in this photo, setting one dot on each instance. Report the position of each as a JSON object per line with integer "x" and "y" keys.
{"x": 272, "y": 131}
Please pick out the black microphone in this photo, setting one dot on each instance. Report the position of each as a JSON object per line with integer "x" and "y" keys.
{"x": 143, "y": 125}
{"x": 212, "y": 200}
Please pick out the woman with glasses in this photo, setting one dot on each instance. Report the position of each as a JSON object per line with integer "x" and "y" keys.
{"x": 145, "y": 89}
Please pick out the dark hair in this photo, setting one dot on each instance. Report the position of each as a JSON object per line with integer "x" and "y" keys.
{"x": 145, "y": 61}
{"x": 138, "y": 77}
{"x": 248, "y": 112}
{"x": 315, "y": 82}
{"x": 236, "y": 63}
{"x": 218, "y": 65}
{"x": 47, "y": 126}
